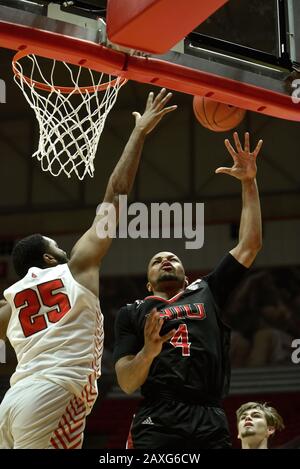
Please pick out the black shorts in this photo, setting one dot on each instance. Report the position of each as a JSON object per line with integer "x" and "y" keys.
{"x": 170, "y": 424}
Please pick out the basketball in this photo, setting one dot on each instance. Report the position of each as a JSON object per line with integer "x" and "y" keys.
{"x": 216, "y": 116}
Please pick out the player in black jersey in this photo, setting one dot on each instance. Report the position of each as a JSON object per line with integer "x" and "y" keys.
{"x": 174, "y": 344}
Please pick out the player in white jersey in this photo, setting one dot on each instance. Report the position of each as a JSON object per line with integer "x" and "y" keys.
{"x": 53, "y": 320}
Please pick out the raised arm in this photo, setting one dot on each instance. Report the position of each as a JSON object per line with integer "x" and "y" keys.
{"x": 244, "y": 169}
{"x": 88, "y": 252}
{"x": 5, "y": 313}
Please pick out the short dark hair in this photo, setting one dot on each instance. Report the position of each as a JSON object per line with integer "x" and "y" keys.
{"x": 28, "y": 252}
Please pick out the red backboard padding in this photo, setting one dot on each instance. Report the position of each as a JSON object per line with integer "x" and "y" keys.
{"x": 148, "y": 70}
{"x": 155, "y": 26}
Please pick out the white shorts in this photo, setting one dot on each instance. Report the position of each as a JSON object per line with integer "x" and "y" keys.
{"x": 39, "y": 414}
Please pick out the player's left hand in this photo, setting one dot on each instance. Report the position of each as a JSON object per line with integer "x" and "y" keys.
{"x": 244, "y": 161}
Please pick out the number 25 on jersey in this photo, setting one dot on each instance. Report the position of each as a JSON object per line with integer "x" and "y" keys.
{"x": 30, "y": 302}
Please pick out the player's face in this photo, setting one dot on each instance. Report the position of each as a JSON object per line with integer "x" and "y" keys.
{"x": 165, "y": 266}
{"x": 253, "y": 425}
{"x": 56, "y": 252}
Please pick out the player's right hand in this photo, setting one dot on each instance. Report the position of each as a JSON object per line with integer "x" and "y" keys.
{"x": 153, "y": 341}
{"x": 244, "y": 161}
{"x": 154, "y": 111}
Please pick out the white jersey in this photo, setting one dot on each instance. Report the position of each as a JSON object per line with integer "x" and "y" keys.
{"x": 56, "y": 329}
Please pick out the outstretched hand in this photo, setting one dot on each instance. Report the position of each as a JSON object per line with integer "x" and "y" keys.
{"x": 154, "y": 112}
{"x": 244, "y": 161}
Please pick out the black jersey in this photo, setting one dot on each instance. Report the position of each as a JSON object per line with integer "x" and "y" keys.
{"x": 194, "y": 364}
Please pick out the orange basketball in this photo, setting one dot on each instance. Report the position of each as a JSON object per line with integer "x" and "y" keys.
{"x": 216, "y": 116}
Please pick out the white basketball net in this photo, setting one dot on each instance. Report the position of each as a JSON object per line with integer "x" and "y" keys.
{"x": 70, "y": 124}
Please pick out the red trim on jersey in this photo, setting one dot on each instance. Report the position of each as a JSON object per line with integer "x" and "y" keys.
{"x": 129, "y": 442}
{"x": 53, "y": 443}
{"x": 73, "y": 417}
{"x": 61, "y": 441}
{"x": 69, "y": 433}
{"x": 73, "y": 426}
{"x": 174, "y": 298}
{"x": 77, "y": 445}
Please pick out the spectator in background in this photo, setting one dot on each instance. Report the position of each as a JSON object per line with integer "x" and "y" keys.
{"x": 256, "y": 423}
{"x": 263, "y": 324}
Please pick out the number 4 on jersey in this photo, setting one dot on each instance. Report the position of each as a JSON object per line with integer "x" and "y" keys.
{"x": 181, "y": 339}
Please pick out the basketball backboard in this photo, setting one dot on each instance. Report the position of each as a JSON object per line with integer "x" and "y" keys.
{"x": 241, "y": 55}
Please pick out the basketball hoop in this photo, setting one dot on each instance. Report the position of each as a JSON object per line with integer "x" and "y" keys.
{"x": 71, "y": 118}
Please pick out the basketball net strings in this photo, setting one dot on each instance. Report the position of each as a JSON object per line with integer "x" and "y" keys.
{"x": 69, "y": 133}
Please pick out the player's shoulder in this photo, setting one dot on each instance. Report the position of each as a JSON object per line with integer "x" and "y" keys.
{"x": 36, "y": 275}
{"x": 195, "y": 285}
{"x": 131, "y": 307}
{"x": 130, "y": 310}
{"x": 128, "y": 314}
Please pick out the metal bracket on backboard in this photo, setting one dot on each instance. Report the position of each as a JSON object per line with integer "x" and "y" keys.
{"x": 40, "y": 21}
{"x": 55, "y": 12}
{"x": 293, "y": 33}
